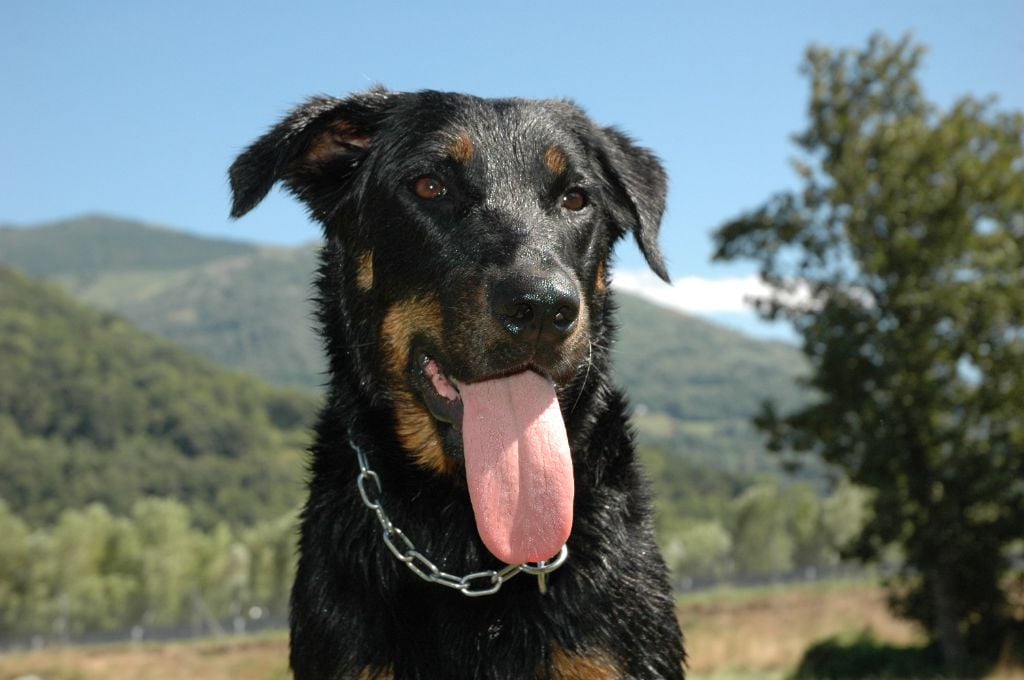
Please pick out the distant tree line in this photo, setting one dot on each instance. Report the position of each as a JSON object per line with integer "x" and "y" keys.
{"x": 714, "y": 526}
{"x": 93, "y": 571}
{"x": 154, "y": 567}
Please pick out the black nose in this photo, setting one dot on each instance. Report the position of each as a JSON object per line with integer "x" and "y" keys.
{"x": 533, "y": 307}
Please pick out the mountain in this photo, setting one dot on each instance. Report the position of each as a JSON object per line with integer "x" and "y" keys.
{"x": 239, "y": 305}
{"x": 723, "y": 374}
{"x": 92, "y": 409}
{"x": 695, "y": 385}
{"x": 78, "y": 250}
{"x": 249, "y": 312}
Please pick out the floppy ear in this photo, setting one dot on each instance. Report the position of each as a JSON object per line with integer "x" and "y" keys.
{"x": 640, "y": 183}
{"x": 323, "y": 139}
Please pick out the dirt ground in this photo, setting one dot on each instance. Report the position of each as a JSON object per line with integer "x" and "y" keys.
{"x": 730, "y": 635}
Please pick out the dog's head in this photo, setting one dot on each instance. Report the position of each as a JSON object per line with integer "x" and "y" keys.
{"x": 469, "y": 241}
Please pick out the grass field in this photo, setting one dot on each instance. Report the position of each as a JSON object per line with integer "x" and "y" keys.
{"x": 765, "y": 631}
{"x": 731, "y": 635}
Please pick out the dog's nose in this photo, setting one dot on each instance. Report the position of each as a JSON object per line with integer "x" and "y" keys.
{"x": 532, "y": 307}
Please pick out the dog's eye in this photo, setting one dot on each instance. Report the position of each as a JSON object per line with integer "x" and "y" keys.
{"x": 574, "y": 199}
{"x": 428, "y": 188}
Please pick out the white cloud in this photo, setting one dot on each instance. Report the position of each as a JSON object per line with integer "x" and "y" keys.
{"x": 693, "y": 294}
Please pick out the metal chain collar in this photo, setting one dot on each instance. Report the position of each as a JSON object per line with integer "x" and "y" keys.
{"x": 476, "y": 584}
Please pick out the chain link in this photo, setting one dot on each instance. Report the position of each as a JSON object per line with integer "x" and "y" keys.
{"x": 476, "y": 584}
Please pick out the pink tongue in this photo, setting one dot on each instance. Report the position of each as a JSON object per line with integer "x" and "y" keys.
{"x": 518, "y": 466}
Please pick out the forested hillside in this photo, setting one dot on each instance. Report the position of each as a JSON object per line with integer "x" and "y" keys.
{"x": 696, "y": 386}
{"x": 249, "y": 312}
{"x": 239, "y": 305}
{"x": 91, "y": 409}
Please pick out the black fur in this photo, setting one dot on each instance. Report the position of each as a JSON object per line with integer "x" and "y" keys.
{"x": 356, "y": 610}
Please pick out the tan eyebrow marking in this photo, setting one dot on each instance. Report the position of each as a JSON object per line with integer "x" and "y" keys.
{"x": 556, "y": 160}
{"x": 461, "y": 150}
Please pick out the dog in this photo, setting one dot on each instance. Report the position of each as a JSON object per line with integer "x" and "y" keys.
{"x": 476, "y": 509}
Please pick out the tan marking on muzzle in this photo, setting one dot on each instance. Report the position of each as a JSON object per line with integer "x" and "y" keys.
{"x": 593, "y": 666}
{"x": 415, "y": 427}
{"x": 376, "y": 674}
{"x": 600, "y": 284}
{"x": 578, "y": 340}
{"x": 364, "y": 271}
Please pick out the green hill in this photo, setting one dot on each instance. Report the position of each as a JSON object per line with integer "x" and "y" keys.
{"x": 77, "y": 250}
{"x": 236, "y": 304}
{"x": 93, "y": 410}
{"x": 695, "y": 385}
{"x": 694, "y": 370}
{"x": 249, "y": 312}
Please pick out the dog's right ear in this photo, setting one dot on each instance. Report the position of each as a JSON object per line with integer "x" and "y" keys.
{"x": 324, "y": 136}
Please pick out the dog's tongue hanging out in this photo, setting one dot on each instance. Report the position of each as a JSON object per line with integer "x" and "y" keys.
{"x": 518, "y": 466}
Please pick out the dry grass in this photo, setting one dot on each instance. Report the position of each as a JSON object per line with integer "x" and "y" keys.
{"x": 731, "y": 635}
{"x": 769, "y": 629}
{"x": 259, "y": 659}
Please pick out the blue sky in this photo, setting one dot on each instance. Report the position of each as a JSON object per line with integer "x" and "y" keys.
{"x": 136, "y": 109}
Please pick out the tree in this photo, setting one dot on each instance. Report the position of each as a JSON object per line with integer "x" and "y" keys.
{"x": 272, "y": 545}
{"x": 14, "y": 566}
{"x": 843, "y": 516}
{"x": 700, "y": 550}
{"x": 762, "y": 544}
{"x": 94, "y": 584}
{"x": 169, "y": 560}
{"x": 900, "y": 264}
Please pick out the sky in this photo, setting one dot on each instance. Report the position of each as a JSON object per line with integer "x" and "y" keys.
{"x": 136, "y": 108}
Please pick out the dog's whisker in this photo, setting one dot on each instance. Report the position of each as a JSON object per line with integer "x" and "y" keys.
{"x": 586, "y": 376}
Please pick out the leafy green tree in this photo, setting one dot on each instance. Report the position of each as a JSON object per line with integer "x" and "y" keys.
{"x": 14, "y": 567}
{"x": 900, "y": 263}
{"x": 700, "y": 550}
{"x": 170, "y": 560}
{"x": 223, "y": 571}
{"x": 38, "y": 586}
{"x": 763, "y": 545}
{"x": 811, "y": 545}
{"x": 843, "y": 515}
{"x": 272, "y": 545}
{"x": 95, "y": 584}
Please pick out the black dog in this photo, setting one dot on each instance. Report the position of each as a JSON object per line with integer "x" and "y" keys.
{"x": 469, "y": 423}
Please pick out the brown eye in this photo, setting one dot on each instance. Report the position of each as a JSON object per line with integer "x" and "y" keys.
{"x": 574, "y": 200}
{"x": 429, "y": 188}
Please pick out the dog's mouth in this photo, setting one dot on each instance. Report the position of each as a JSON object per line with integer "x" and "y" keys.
{"x": 440, "y": 393}
{"x": 512, "y": 438}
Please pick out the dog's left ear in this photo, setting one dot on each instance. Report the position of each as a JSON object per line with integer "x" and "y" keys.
{"x": 640, "y": 183}
{"x": 318, "y": 145}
